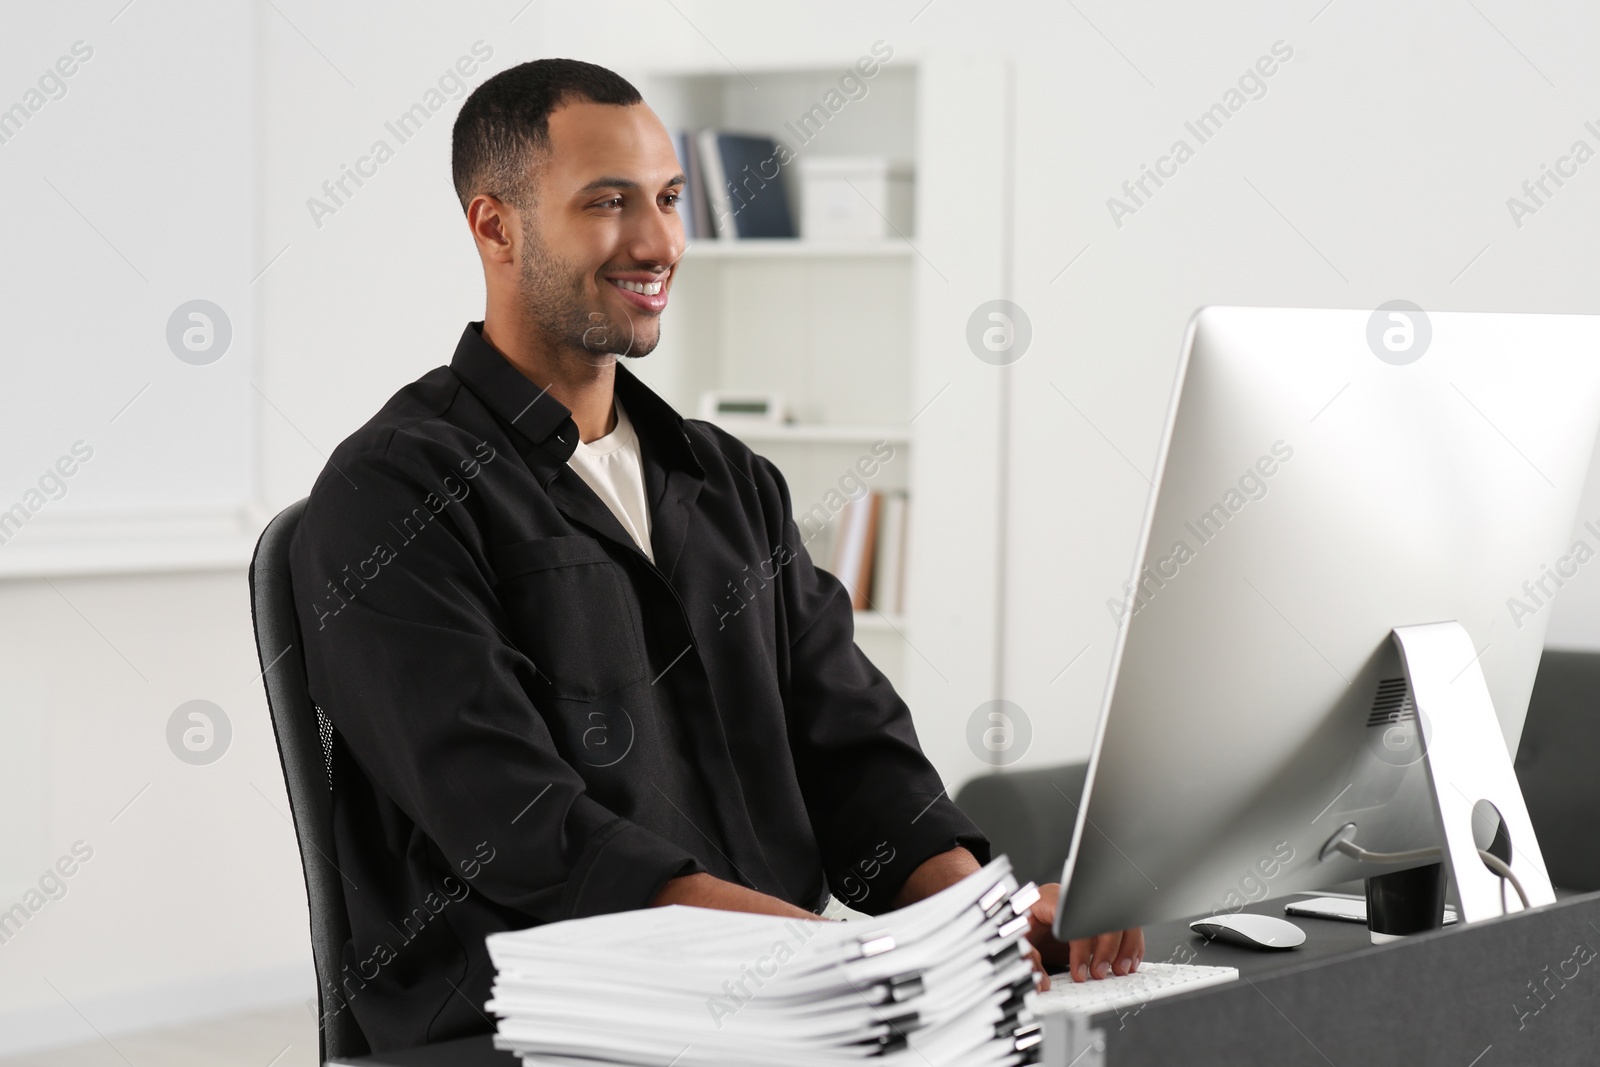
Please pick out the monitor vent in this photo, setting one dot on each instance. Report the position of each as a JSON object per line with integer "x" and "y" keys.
{"x": 1392, "y": 704}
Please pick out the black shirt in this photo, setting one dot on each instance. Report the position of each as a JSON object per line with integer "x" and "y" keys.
{"x": 533, "y": 722}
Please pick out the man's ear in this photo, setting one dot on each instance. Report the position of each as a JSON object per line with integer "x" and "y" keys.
{"x": 492, "y": 222}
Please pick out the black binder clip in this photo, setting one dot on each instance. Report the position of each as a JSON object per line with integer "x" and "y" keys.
{"x": 1028, "y": 1038}
{"x": 903, "y": 987}
{"x": 1024, "y": 898}
{"x": 1012, "y": 951}
{"x": 990, "y": 902}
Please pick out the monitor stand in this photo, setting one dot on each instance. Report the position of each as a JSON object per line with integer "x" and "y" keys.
{"x": 1467, "y": 763}
{"x": 1471, "y": 780}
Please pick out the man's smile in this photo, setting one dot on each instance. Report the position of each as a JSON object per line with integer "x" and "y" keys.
{"x": 645, "y": 290}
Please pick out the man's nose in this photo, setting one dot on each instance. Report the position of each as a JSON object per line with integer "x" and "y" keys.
{"x": 657, "y": 239}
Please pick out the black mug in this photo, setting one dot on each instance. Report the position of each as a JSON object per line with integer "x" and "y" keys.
{"x": 1405, "y": 902}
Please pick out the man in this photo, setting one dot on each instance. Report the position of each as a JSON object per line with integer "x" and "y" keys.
{"x": 509, "y": 584}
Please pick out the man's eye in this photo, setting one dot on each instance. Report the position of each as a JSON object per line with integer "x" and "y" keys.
{"x": 672, "y": 198}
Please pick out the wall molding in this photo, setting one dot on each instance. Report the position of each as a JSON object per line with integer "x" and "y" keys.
{"x": 154, "y": 1006}
{"x": 132, "y": 542}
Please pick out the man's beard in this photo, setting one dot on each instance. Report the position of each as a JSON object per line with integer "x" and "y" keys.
{"x": 553, "y": 300}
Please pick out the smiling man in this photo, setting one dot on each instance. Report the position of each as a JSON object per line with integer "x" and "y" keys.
{"x": 508, "y": 582}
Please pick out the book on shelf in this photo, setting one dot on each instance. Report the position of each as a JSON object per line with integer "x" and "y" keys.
{"x": 854, "y": 539}
{"x": 869, "y": 550}
{"x": 745, "y": 191}
{"x": 889, "y": 564}
{"x": 692, "y": 198}
{"x": 942, "y": 981}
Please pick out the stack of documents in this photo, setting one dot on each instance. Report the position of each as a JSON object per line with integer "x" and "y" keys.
{"x": 943, "y": 981}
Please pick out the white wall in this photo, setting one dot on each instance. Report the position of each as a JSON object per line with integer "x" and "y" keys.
{"x": 370, "y": 297}
{"x": 1390, "y": 142}
{"x": 194, "y": 881}
{"x": 128, "y": 199}
{"x": 127, "y": 195}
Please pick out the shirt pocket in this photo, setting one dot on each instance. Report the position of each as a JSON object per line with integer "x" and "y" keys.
{"x": 564, "y": 599}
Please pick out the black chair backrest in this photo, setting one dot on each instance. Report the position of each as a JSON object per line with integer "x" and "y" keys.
{"x": 304, "y": 749}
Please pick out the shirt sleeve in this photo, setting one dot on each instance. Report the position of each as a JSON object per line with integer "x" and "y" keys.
{"x": 877, "y": 805}
{"x": 405, "y": 654}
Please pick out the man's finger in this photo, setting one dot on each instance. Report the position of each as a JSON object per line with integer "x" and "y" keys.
{"x": 1040, "y": 919}
{"x": 1104, "y": 954}
{"x": 1078, "y": 959}
{"x": 1041, "y": 977}
{"x": 1131, "y": 951}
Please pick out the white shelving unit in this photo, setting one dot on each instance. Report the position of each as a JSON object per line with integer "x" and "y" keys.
{"x": 860, "y": 338}
{"x": 874, "y": 620}
{"x": 818, "y": 433}
{"x": 777, "y": 248}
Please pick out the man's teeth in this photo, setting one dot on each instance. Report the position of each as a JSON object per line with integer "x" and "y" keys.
{"x": 643, "y": 288}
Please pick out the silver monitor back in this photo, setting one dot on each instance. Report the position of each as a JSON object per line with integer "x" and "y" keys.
{"x": 1310, "y": 496}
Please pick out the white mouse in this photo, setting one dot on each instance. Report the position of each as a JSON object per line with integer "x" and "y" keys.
{"x": 1250, "y": 931}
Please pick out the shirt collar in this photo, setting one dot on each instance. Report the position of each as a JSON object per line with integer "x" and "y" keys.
{"x": 544, "y": 421}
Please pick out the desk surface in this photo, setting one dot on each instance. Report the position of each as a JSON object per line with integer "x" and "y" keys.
{"x": 1511, "y": 990}
{"x": 1174, "y": 942}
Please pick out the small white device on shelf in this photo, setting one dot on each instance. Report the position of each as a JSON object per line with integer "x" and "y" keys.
{"x": 733, "y": 408}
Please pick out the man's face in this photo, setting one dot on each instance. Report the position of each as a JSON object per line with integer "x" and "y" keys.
{"x": 602, "y": 236}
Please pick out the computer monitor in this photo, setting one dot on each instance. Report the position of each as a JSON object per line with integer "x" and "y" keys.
{"x": 1326, "y": 477}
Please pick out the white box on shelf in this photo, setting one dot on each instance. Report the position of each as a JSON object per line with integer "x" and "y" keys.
{"x": 732, "y": 407}
{"x": 854, "y": 198}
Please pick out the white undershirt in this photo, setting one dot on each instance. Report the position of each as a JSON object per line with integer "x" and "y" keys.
{"x": 614, "y": 468}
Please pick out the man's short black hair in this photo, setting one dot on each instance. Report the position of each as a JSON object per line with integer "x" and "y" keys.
{"x": 506, "y": 122}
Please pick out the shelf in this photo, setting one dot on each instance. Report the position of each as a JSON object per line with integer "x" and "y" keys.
{"x": 877, "y": 621}
{"x": 817, "y": 433}
{"x": 796, "y": 248}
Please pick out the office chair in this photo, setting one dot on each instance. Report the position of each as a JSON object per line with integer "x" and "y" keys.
{"x": 305, "y": 749}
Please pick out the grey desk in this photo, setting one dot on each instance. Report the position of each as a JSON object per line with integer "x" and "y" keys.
{"x": 1463, "y": 997}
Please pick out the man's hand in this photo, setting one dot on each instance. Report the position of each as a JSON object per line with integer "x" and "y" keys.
{"x": 703, "y": 890}
{"x": 1090, "y": 957}
{"x": 1085, "y": 959}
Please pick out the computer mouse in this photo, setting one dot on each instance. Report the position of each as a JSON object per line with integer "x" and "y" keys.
{"x": 1248, "y": 930}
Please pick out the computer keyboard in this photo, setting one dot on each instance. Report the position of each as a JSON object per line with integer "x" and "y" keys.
{"x": 1150, "y": 981}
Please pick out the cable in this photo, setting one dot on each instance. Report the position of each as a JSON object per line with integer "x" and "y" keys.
{"x": 1422, "y": 855}
{"x": 1416, "y": 855}
{"x": 1498, "y": 866}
